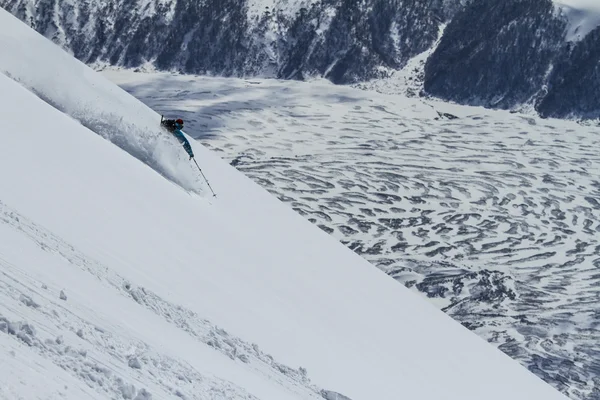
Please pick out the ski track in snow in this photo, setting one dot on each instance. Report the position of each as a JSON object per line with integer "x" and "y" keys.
{"x": 494, "y": 216}
{"x": 103, "y": 358}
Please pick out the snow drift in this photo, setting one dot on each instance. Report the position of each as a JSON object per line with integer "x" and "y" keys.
{"x": 141, "y": 288}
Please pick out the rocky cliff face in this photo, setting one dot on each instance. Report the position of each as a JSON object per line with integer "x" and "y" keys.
{"x": 501, "y": 54}
{"x": 496, "y": 53}
{"x": 511, "y": 53}
{"x": 575, "y": 81}
{"x": 345, "y": 41}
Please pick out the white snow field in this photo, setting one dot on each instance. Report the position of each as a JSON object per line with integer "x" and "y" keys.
{"x": 583, "y": 16}
{"x": 120, "y": 277}
{"x": 493, "y": 215}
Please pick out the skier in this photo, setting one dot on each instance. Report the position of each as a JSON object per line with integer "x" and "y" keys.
{"x": 175, "y": 127}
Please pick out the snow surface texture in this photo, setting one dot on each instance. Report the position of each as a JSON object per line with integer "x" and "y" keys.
{"x": 583, "y": 16}
{"x": 116, "y": 283}
{"x": 345, "y": 41}
{"x": 123, "y": 121}
{"x": 96, "y": 350}
{"x": 494, "y": 216}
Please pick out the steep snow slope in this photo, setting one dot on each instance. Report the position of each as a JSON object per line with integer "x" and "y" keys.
{"x": 145, "y": 271}
{"x": 492, "y": 215}
{"x": 109, "y": 330}
{"x": 583, "y": 15}
{"x": 123, "y": 120}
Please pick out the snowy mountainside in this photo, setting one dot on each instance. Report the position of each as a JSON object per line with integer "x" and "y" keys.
{"x": 513, "y": 54}
{"x": 494, "y": 216}
{"x": 92, "y": 326}
{"x": 583, "y": 15}
{"x": 519, "y": 54}
{"x": 117, "y": 281}
{"x": 344, "y": 41}
{"x": 409, "y": 81}
{"x": 495, "y": 54}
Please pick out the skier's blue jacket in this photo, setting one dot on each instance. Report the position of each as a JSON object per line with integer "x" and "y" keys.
{"x": 179, "y": 135}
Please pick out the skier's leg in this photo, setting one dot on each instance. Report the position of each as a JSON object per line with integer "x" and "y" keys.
{"x": 188, "y": 148}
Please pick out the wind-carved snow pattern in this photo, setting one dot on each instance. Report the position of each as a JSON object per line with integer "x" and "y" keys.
{"x": 494, "y": 216}
{"x": 113, "y": 352}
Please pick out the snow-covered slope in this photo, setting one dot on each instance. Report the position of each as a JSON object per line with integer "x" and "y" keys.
{"x": 114, "y": 279}
{"x": 345, "y": 41}
{"x": 78, "y": 221}
{"x": 583, "y": 15}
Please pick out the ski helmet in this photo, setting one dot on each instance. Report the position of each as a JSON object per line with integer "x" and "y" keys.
{"x": 179, "y": 121}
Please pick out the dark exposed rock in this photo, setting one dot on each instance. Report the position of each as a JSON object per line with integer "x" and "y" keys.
{"x": 574, "y": 88}
{"x": 496, "y": 53}
{"x": 344, "y": 41}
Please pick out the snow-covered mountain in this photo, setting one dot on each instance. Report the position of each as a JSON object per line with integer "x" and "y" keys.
{"x": 120, "y": 277}
{"x": 344, "y": 41}
{"x": 493, "y": 216}
{"x": 513, "y": 53}
{"x": 501, "y": 54}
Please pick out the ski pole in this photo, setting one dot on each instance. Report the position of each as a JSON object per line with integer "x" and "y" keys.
{"x": 200, "y": 169}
